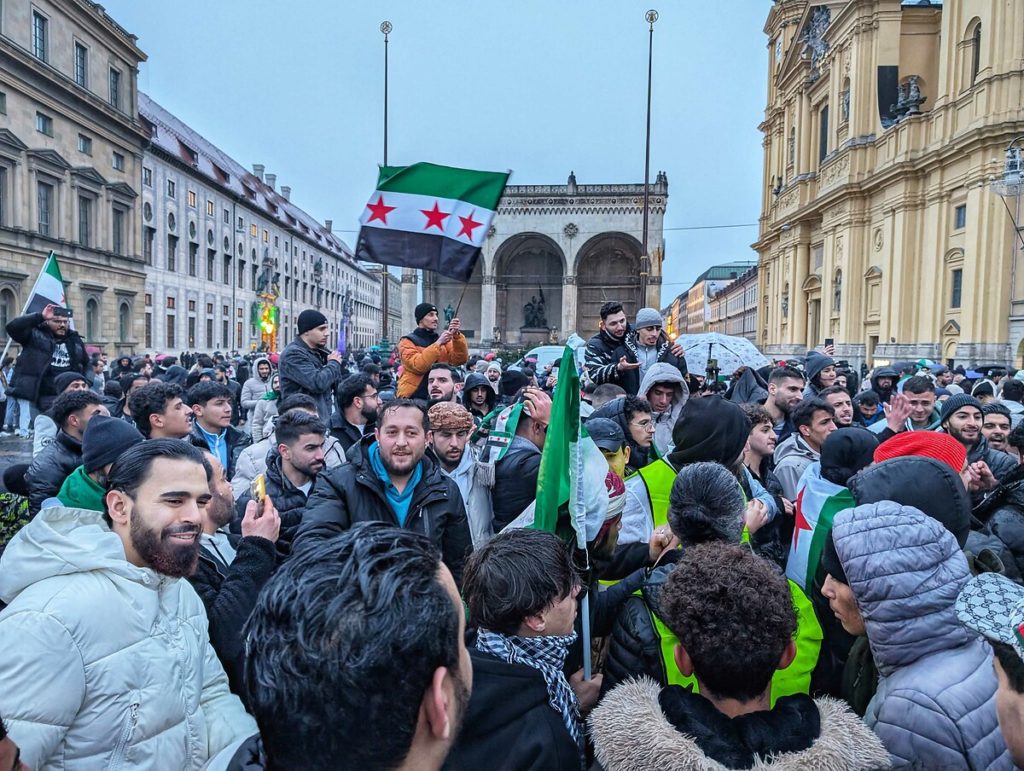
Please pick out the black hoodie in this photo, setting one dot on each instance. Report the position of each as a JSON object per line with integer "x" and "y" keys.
{"x": 474, "y": 380}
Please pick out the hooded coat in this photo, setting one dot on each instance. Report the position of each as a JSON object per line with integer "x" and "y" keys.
{"x": 935, "y": 703}
{"x": 815, "y": 363}
{"x": 119, "y": 671}
{"x": 255, "y": 388}
{"x": 638, "y": 456}
{"x": 640, "y": 725}
{"x": 792, "y": 457}
{"x": 175, "y": 374}
{"x": 474, "y": 380}
{"x": 664, "y": 422}
{"x": 884, "y": 394}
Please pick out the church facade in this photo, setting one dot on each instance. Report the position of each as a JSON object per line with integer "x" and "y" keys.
{"x": 553, "y": 256}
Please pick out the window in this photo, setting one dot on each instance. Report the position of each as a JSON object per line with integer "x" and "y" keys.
{"x": 957, "y": 281}
{"x": 8, "y": 309}
{"x": 40, "y": 36}
{"x": 252, "y": 230}
{"x": 225, "y": 333}
{"x": 241, "y": 274}
{"x": 193, "y": 257}
{"x": 254, "y": 270}
{"x": 118, "y": 222}
{"x": 124, "y": 322}
{"x": 209, "y": 308}
{"x": 211, "y": 259}
{"x": 3, "y": 196}
{"x": 192, "y": 199}
{"x": 3, "y": 103}
{"x": 118, "y": 162}
{"x": 266, "y": 236}
{"x": 170, "y": 303}
{"x": 226, "y": 273}
{"x": 172, "y": 252}
{"x": 241, "y": 224}
{"x": 44, "y": 207}
{"x": 149, "y": 329}
{"x": 84, "y": 220}
{"x": 148, "y": 235}
{"x": 81, "y": 65}
{"x": 147, "y": 177}
{"x": 44, "y": 124}
{"x": 823, "y": 135}
{"x": 170, "y": 331}
{"x": 209, "y": 208}
{"x": 976, "y": 53}
{"x": 192, "y": 306}
{"x": 115, "y": 88}
{"x": 960, "y": 217}
{"x": 170, "y": 188}
{"x": 209, "y": 334}
{"x": 84, "y": 144}
{"x": 149, "y": 299}
{"x": 227, "y": 217}
{"x": 92, "y": 319}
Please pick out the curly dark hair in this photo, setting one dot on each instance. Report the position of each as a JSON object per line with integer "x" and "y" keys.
{"x": 734, "y": 616}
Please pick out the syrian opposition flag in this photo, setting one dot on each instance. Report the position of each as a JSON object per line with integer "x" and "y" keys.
{"x": 429, "y": 217}
{"x": 817, "y": 504}
{"x": 48, "y": 289}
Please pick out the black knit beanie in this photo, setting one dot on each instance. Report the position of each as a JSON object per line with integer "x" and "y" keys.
{"x": 104, "y": 441}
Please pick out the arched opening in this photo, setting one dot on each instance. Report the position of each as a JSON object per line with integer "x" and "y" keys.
{"x": 975, "y": 52}
{"x": 812, "y": 291}
{"x": 1020, "y": 355}
{"x": 607, "y": 268}
{"x": 8, "y": 310}
{"x": 92, "y": 319}
{"x": 124, "y": 322}
{"x": 528, "y": 276}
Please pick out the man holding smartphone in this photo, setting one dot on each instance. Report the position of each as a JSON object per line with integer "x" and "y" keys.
{"x": 424, "y": 347}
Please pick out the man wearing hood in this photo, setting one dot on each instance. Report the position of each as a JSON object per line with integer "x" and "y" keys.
{"x": 256, "y": 387}
{"x": 107, "y": 660}
{"x": 424, "y": 347}
{"x": 479, "y": 396}
{"x": 451, "y": 425}
{"x": 883, "y": 383}
{"x": 814, "y": 421}
{"x": 648, "y": 345}
{"x": 664, "y": 388}
{"x": 935, "y": 703}
{"x": 493, "y": 373}
{"x": 821, "y": 373}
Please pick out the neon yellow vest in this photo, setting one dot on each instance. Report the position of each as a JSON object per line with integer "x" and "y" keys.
{"x": 796, "y": 678}
{"x": 658, "y": 479}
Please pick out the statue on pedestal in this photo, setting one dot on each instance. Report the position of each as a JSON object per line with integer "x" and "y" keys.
{"x": 534, "y": 312}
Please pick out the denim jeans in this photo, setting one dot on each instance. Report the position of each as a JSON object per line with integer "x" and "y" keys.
{"x": 24, "y": 416}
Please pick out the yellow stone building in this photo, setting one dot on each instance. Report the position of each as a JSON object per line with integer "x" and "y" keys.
{"x": 884, "y": 224}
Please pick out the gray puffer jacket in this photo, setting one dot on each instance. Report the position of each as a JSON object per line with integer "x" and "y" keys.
{"x": 935, "y": 703}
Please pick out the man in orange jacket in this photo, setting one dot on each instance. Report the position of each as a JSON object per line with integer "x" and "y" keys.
{"x": 424, "y": 347}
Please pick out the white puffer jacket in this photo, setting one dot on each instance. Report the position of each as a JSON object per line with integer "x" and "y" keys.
{"x": 106, "y": 665}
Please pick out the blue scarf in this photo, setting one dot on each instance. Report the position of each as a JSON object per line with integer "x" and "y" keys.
{"x": 399, "y": 501}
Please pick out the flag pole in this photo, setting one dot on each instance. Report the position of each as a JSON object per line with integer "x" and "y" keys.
{"x": 28, "y": 301}
{"x": 461, "y": 296}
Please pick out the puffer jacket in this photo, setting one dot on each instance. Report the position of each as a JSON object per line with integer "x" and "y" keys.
{"x": 289, "y": 501}
{"x": 602, "y": 359}
{"x": 661, "y": 372}
{"x": 420, "y": 351}
{"x": 255, "y": 388}
{"x": 792, "y": 457}
{"x": 252, "y": 461}
{"x": 106, "y": 665}
{"x": 1000, "y": 463}
{"x": 515, "y": 481}
{"x": 262, "y": 420}
{"x": 935, "y": 703}
{"x": 50, "y": 468}
{"x": 37, "y": 345}
{"x": 353, "y": 493}
{"x": 304, "y": 370}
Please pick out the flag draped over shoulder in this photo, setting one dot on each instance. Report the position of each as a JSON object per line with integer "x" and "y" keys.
{"x": 817, "y": 504}
{"x": 48, "y": 289}
{"x": 430, "y": 217}
{"x": 570, "y": 484}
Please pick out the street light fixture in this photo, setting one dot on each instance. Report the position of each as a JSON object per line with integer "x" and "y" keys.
{"x": 645, "y": 261}
{"x": 385, "y": 28}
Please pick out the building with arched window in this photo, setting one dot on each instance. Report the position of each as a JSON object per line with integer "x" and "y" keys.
{"x": 885, "y": 124}
{"x": 554, "y": 255}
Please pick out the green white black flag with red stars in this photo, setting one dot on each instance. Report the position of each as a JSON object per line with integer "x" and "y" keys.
{"x": 430, "y": 217}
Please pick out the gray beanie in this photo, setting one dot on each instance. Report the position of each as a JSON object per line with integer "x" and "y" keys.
{"x": 647, "y": 317}
{"x": 957, "y": 402}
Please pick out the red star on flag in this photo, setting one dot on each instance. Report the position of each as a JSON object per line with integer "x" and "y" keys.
{"x": 799, "y": 522}
{"x": 468, "y": 224}
{"x": 379, "y": 210}
{"x": 435, "y": 217}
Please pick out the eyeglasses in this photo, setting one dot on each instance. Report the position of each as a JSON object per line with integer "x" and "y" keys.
{"x": 646, "y": 425}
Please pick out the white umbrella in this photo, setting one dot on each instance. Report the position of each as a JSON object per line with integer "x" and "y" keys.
{"x": 731, "y": 352}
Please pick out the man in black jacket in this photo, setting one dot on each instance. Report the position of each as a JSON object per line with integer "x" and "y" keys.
{"x": 211, "y": 404}
{"x": 357, "y": 402}
{"x": 962, "y": 419}
{"x": 606, "y": 359}
{"x": 516, "y": 472}
{"x": 306, "y": 367}
{"x": 292, "y": 467}
{"x": 48, "y": 347}
{"x": 71, "y": 412}
{"x": 391, "y": 480}
{"x": 233, "y": 568}
{"x": 521, "y": 588}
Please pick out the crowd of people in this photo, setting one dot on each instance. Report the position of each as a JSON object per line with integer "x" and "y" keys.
{"x": 316, "y": 560}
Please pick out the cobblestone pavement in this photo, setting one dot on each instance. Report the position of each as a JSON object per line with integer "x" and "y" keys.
{"x": 14, "y": 450}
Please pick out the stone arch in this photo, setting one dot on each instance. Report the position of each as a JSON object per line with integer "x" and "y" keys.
{"x": 607, "y": 267}
{"x": 527, "y": 265}
{"x": 124, "y": 321}
{"x": 1020, "y": 354}
{"x": 9, "y": 308}
{"x": 92, "y": 320}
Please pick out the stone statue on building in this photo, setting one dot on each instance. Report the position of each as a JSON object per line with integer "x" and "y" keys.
{"x": 534, "y": 312}
{"x": 449, "y": 314}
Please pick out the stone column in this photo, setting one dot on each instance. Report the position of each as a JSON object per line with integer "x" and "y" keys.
{"x": 568, "y": 307}
{"x": 488, "y": 310}
{"x": 410, "y": 298}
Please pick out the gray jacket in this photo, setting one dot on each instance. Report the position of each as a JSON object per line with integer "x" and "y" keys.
{"x": 304, "y": 370}
{"x": 792, "y": 458}
{"x": 255, "y": 388}
{"x": 935, "y": 703}
{"x": 664, "y": 422}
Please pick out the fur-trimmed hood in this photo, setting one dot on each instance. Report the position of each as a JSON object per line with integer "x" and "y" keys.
{"x": 631, "y": 732}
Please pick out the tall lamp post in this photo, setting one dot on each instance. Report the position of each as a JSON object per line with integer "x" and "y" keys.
{"x": 645, "y": 260}
{"x": 385, "y": 28}
{"x": 1011, "y": 185}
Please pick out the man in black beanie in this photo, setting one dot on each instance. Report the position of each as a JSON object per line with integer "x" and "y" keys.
{"x": 104, "y": 440}
{"x": 424, "y": 347}
{"x": 307, "y": 368}
{"x": 962, "y": 419}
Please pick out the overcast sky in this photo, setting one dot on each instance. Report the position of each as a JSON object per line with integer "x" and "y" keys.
{"x": 535, "y": 86}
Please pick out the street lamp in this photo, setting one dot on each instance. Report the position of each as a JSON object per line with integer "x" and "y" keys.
{"x": 385, "y": 28}
{"x": 1011, "y": 184}
{"x": 645, "y": 261}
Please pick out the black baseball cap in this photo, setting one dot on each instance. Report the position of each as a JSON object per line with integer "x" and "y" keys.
{"x": 606, "y": 433}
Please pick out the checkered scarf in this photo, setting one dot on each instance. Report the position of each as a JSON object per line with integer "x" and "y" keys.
{"x": 547, "y": 655}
